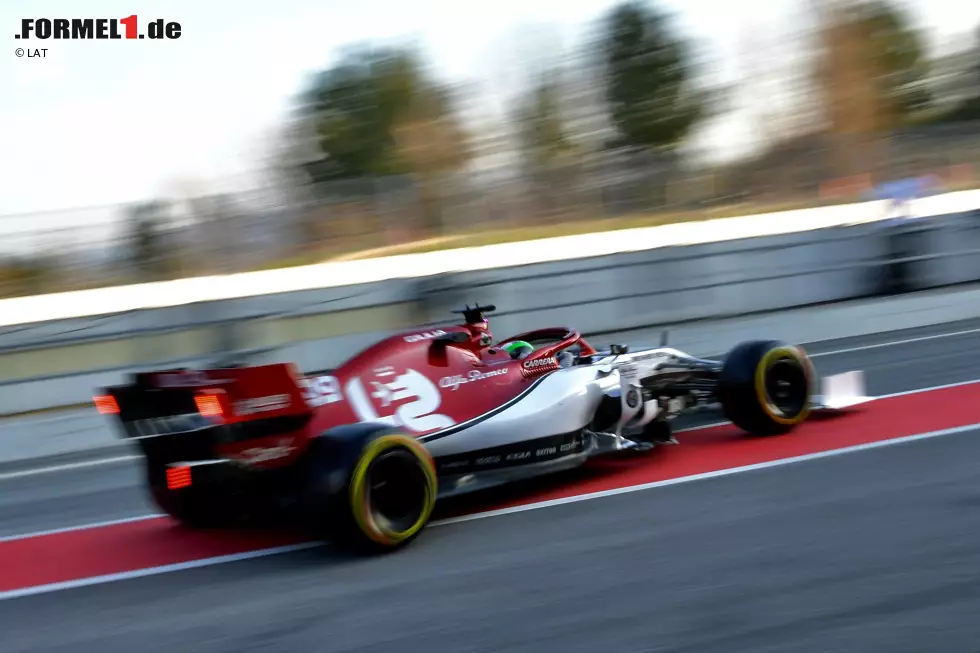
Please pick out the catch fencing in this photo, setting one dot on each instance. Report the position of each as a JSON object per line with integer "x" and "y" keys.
{"x": 275, "y": 224}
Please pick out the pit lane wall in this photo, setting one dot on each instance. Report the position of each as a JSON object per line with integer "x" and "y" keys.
{"x": 52, "y": 363}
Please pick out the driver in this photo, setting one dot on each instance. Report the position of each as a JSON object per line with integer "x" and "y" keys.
{"x": 518, "y": 349}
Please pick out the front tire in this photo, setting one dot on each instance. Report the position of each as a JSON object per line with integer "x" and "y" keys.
{"x": 765, "y": 387}
{"x": 370, "y": 488}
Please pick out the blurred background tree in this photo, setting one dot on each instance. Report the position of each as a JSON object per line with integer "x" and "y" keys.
{"x": 544, "y": 141}
{"x": 378, "y": 113}
{"x": 648, "y": 75}
{"x": 541, "y": 125}
{"x": 149, "y": 253}
{"x": 962, "y": 85}
{"x": 869, "y": 76}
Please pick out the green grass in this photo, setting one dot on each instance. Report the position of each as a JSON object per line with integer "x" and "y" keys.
{"x": 483, "y": 237}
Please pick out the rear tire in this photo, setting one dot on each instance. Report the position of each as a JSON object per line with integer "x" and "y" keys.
{"x": 765, "y": 387}
{"x": 369, "y": 488}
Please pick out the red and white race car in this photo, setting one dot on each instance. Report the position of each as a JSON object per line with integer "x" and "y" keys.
{"x": 363, "y": 453}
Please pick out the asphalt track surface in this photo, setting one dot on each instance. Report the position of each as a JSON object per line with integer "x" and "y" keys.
{"x": 874, "y": 550}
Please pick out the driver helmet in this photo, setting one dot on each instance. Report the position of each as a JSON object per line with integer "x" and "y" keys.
{"x": 518, "y": 349}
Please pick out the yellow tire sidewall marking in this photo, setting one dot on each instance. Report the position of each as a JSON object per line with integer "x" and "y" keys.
{"x": 760, "y": 384}
{"x": 358, "y": 488}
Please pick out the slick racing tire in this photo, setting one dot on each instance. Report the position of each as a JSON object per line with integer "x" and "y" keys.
{"x": 765, "y": 387}
{"x": 369, "y": 488}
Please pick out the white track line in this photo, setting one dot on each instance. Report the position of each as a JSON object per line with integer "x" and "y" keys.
{"x": 944, "y": 386}
{"x": 706, "y": 475}
{"x": 83, "y": 527}
{"x": 157, "y": 515}
{"x": 895, "y": 343}
{"x": 154, "y": 571}
{"x": 68, "y": 467}
{"x": 261, "y": 553}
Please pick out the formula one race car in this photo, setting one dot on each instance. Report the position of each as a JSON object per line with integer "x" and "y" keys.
{"x": 363, "y": 453}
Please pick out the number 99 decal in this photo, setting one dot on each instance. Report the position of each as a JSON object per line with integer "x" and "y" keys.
{"x": 418, "y": 415}
{"x": 321, "y": 390}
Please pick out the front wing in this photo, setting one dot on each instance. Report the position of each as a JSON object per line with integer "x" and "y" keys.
{"x": 840, "y": 392}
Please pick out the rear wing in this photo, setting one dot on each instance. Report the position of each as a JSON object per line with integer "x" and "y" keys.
{"x": 229, "y": 395}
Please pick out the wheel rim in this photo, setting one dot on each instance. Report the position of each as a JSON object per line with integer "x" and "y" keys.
{"x": 397, "y": 491}
{"x": 786, "y": 387}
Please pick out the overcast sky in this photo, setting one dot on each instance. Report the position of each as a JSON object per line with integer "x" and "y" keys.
{"x": 99, "y": 122}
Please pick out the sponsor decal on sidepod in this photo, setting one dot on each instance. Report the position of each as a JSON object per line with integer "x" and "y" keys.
{"x": 541, "y": 362}
{"x": 453, "y": 382}
{"x": 262, "y": 404}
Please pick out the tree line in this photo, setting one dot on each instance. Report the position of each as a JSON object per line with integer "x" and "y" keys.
{"x": 379, "y": 112}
